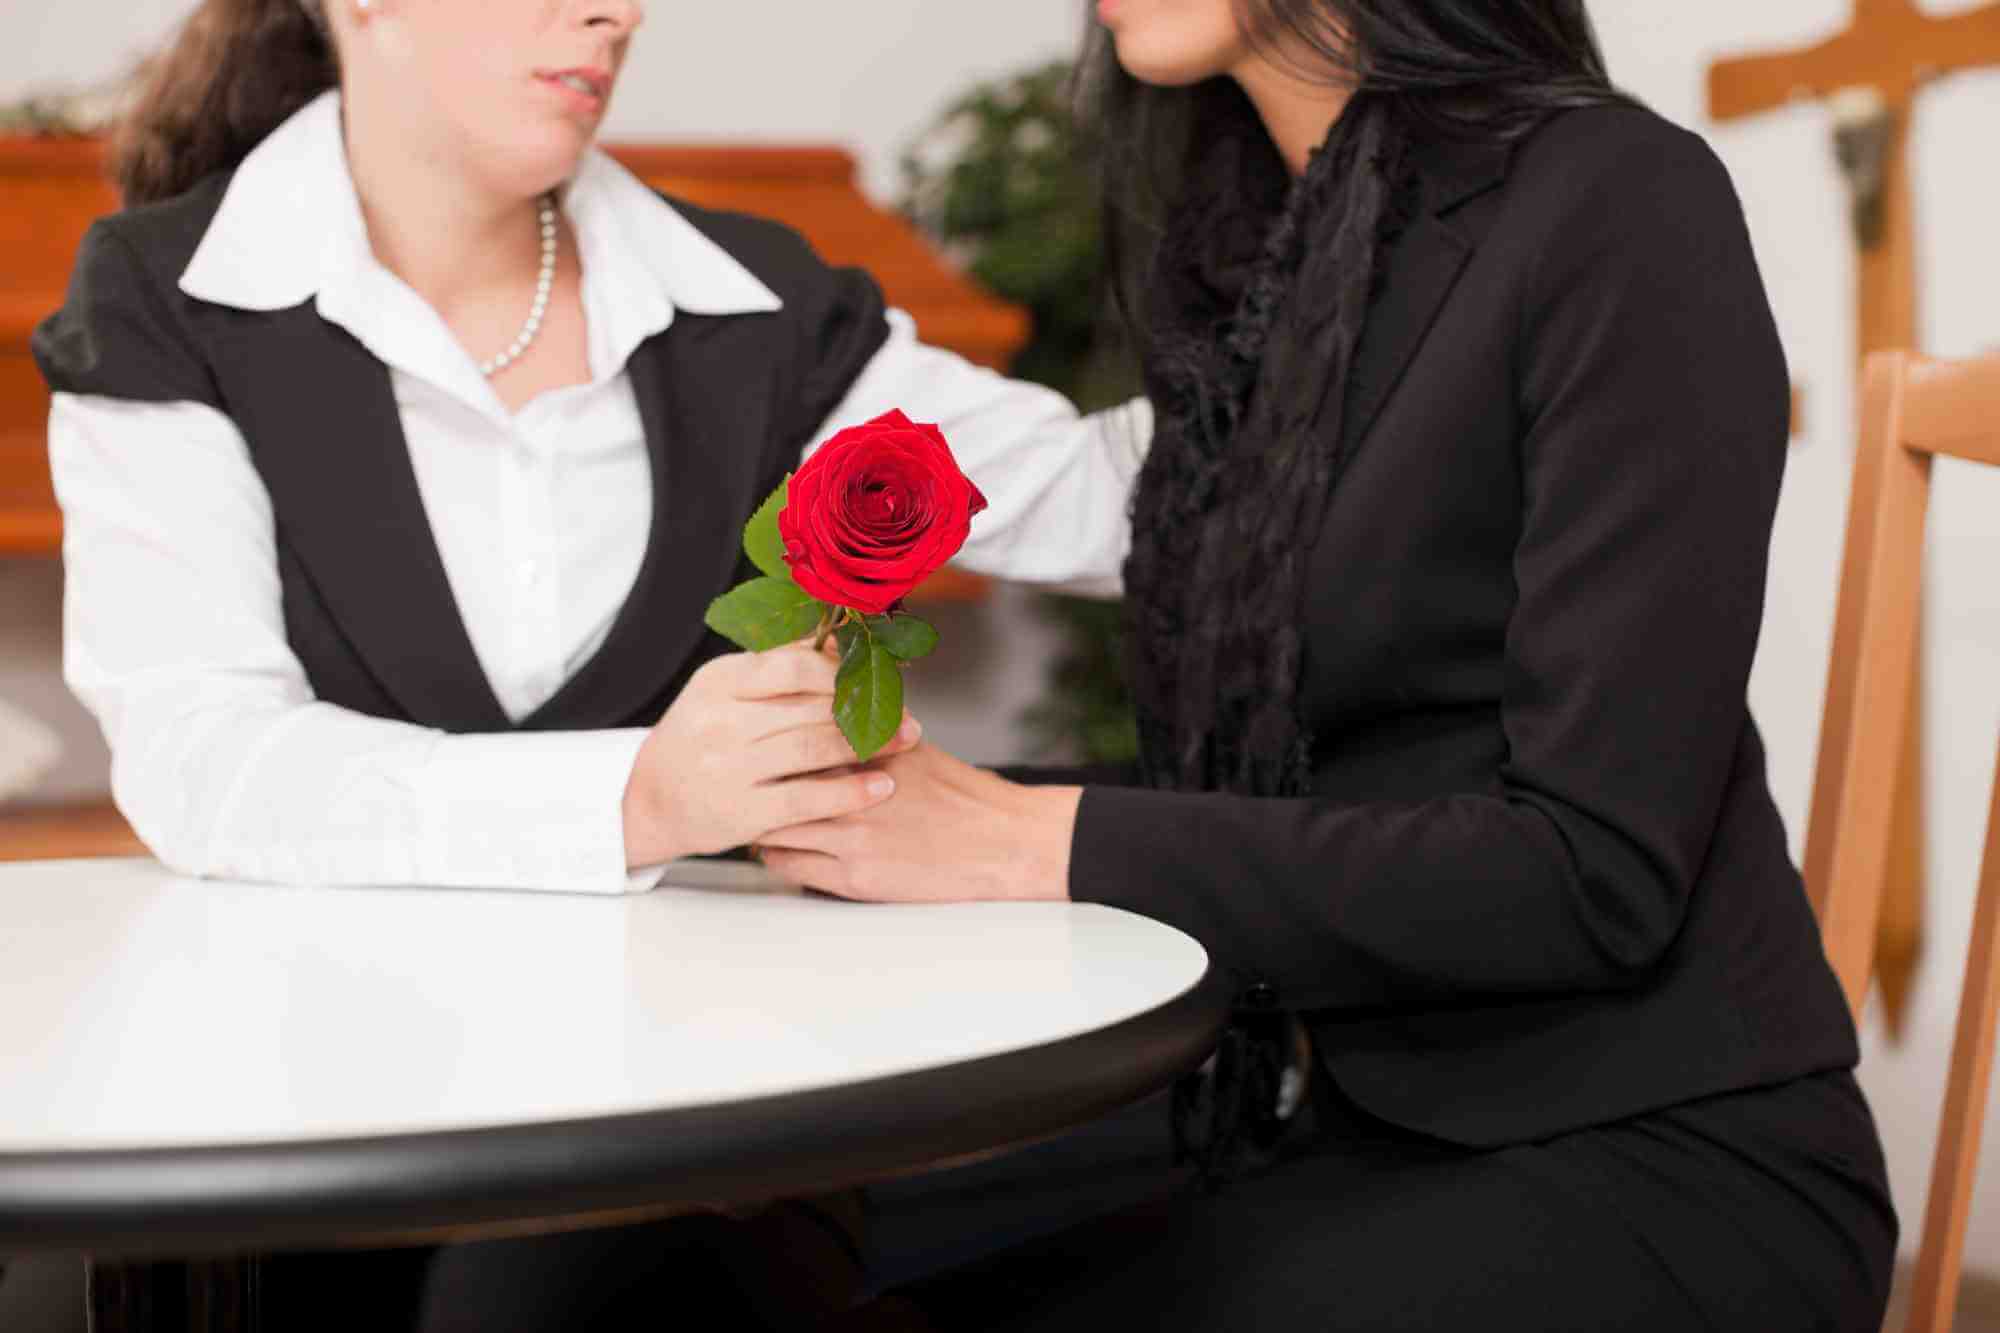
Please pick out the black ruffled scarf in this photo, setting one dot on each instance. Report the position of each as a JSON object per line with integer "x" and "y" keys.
{"x": 1262, "y": 288}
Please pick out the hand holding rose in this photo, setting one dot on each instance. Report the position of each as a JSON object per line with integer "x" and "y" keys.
{"x": 879, "y": 509}
{"x": 747, "y": 748}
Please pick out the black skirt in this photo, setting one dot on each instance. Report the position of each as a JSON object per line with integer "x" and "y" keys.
{"x": 1763, "y": 1210}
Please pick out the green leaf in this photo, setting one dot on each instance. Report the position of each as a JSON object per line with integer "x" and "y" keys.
{"x": 764, "y": 614}
{"x": 906, "y": 637}
{"x": 846, "y": 633}
{"x": 761, "y": 541}
{"x": 868, "y": 696}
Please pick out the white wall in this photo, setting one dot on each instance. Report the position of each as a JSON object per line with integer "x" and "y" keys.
{"x": 813, "y": 72}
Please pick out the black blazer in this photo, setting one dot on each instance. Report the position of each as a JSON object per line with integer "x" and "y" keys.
{"x": 727, "y": 403}
{"x": 1541, "y": 883}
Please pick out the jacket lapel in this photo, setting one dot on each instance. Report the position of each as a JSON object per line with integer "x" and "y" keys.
{"x": 1420, "y": 271}
{"x": 706, "y": 411}
{"x": 320, "y": 416}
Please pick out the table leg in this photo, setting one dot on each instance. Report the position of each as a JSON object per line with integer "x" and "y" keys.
{"x": 197, "y": 1296}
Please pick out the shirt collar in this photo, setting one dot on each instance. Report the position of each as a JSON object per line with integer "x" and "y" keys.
{"x": 290, "y": 229}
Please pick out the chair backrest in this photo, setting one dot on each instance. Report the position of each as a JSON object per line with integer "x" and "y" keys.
{"x": 1912, "y": 410}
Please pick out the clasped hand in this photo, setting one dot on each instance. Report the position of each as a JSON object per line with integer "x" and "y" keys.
{"x": 950, "y": 833}
{"x": 749, "y": 754}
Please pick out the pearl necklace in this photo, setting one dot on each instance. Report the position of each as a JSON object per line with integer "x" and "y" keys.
{"x": 543, "y": 286}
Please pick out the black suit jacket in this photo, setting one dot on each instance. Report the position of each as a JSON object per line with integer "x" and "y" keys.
{"x": 1540, "y": 883}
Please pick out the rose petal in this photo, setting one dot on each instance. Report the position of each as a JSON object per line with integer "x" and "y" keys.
{"x": 877, "y": 509}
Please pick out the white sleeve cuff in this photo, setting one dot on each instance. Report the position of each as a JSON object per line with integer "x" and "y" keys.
{"x": 645, "y": 879}
{"x": 539, "y": 810}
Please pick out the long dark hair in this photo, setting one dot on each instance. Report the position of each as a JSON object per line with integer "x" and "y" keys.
{"x": 233, "y": 73}
{"x": 1469, "y": 69}
{"x": 1245, "y": 293}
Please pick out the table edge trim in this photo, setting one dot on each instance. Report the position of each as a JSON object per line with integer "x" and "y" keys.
{"x": 203, "y": 1199}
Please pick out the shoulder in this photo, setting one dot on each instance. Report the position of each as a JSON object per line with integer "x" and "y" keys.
{"x": 1617, "y": 196}
{"x": 1618, "y": 160}
{"x": 123, "y": 329}
{"x": 154, "y": 241}
{"x": 779, "y": 256}
{"x": 1602, "y": 136}
{"x": 837, "y": 316}
{"x": 1630, "y": 244}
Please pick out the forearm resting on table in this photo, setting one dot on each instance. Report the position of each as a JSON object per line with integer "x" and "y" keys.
{"x": 310, "y": 793}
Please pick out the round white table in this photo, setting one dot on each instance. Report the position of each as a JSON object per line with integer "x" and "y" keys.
{"x": 194, "y": 1067}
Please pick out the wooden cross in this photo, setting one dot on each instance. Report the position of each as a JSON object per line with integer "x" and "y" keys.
{"x": 1871, "y": 74}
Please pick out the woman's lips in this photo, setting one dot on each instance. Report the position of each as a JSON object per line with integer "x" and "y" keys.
{"x": 583, "y": 90}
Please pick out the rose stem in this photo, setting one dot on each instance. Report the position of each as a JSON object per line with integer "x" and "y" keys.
{"x": 833, "y": 618}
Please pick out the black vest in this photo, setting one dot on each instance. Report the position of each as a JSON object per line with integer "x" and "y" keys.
{"x": 727, "y": 403}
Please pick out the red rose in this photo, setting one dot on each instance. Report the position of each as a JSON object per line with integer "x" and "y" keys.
{"x": 879, "y": 509}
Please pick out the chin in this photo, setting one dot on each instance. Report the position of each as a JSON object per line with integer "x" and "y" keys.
{"x": 537, "y": 159}
{"x": 1158, "y": 58}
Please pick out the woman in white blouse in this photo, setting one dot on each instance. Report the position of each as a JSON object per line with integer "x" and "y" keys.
{"x": 257, "y": 613}
{"x": 402, "y": 438}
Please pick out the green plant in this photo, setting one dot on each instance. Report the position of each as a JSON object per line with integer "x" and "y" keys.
{"x": 69, "y": 113}
{"x": 1002, "y": 181}
{"x": 40, "y": 116}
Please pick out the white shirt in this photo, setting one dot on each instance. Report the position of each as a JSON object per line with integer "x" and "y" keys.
{"x": 174, "y": 634}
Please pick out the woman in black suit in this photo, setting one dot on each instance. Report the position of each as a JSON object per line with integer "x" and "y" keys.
{"x": 1447, "y": 572}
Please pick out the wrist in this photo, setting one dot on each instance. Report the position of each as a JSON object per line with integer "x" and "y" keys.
{"x": 1045, "y": 823}
{"x": 649, "y": 836}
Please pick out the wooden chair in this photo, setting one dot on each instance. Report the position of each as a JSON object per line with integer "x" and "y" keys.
{"x": 1912, "y": 410}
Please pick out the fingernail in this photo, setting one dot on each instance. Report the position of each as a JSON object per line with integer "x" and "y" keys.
{"x": 881, "y": 785}
{"x": 912, "y": 731}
